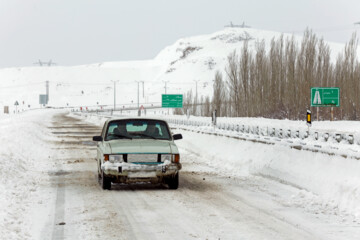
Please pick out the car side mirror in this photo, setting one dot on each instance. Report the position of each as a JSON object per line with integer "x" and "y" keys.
{"x": 177, "y": 136}
{"x": 97, "y": 138}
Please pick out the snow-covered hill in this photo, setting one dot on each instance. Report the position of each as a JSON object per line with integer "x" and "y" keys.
{"x": 180, "y": 65}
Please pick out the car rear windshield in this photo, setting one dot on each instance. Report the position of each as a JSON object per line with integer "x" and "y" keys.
{"x": 137, "y": 129}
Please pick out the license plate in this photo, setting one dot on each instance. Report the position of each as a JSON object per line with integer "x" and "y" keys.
{"x": 142, "y": 158}
{"x": 141, "y": 174}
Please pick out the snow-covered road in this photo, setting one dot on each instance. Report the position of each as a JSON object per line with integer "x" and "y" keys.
{"x": 63, "y": 200}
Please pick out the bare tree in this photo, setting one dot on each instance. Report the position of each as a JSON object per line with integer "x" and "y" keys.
{"x": 277, "y": 83}
{"x": 291, "y": 94}
{"x": 244, "y": 76}
{"x": 188, "y": 101}
{"x": 207, "y": 107}
{"x": 233, "y": 82}
{"x": 219, "y": 93}
{"x": 261, "y": 77}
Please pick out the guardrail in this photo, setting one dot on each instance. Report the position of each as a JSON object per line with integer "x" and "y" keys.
{"x": 281, "y": 133}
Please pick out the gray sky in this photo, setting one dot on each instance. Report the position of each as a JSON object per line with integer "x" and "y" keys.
{"x": 72, "y": 32}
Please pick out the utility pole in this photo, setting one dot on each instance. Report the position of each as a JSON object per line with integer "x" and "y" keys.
{"x": 196, "y": 98}
{"x": 114, "y": 93}
{"x": 143, "y": 89}
{"x": 47, "y": 92}
{"x": 196, "y": 81}
{"x": 165, "y": 86}
{"x": 138, "y": 86}
{"x": 166, "y": 92}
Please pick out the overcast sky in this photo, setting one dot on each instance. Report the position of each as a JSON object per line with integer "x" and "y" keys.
{"x": 72, "y": 32}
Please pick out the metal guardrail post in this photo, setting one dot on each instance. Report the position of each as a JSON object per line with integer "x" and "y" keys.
{"x": 326, "y": 137}
{"x": 351, "y": 139}
{"x": 338, "y": 137}
{"x": 316, "y": 136}
{"x": 288, "y": 133}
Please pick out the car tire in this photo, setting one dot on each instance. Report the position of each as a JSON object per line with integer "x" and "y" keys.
{"x": 105, "y": 181}
{"x": 99, "y": 174}
{"x": 173, "y": 181}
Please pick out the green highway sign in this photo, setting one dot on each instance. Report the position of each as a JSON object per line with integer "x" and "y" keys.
{"x": 42, "y": 99}
{"x": 172, "y": 101}
{"x": 325, "y": 97}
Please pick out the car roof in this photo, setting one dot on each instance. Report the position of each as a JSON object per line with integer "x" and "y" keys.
{"x": 134, "y": 117}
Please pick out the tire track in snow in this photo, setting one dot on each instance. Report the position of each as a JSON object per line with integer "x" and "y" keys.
{"x": 66, "y": 123}
{"x": 58, "y": 229}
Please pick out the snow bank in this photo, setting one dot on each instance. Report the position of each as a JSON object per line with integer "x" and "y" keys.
{"x": 23, "y": 169}
{"x": 331, "y": 180}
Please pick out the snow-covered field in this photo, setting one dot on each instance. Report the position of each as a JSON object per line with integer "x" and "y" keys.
{"x": 25, "y": 159}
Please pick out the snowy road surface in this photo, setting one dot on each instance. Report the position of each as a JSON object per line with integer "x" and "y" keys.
{"x": 67, "y": 202}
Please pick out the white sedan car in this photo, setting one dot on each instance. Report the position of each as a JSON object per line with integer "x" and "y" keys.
{"x": 137, "y": 150}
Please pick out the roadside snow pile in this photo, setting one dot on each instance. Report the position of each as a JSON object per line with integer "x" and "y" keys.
{"x": 22, "y": 170}
{"x": 330, "y": 181}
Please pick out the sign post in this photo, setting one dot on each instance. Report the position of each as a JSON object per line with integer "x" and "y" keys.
{"x": 308, "y": 119}
{"x": 140, "y": 110}
{"x": 325, "y": 97}
{"x": 214, "y": 117}
{"x": 16, "y": 104}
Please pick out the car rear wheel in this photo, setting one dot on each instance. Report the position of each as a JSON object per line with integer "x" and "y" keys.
{"x": 173, "y": 181}
{"x": 105, "y": 181}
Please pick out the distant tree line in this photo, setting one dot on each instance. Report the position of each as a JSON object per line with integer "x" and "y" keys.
{"x": 276, "y": 83}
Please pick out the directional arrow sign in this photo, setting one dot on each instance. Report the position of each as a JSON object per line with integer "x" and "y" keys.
{"x": 325, "y": 97}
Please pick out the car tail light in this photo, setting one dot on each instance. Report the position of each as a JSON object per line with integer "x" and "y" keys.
{"x": 176, "y": 158}
{"x": 106, "y": 157}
